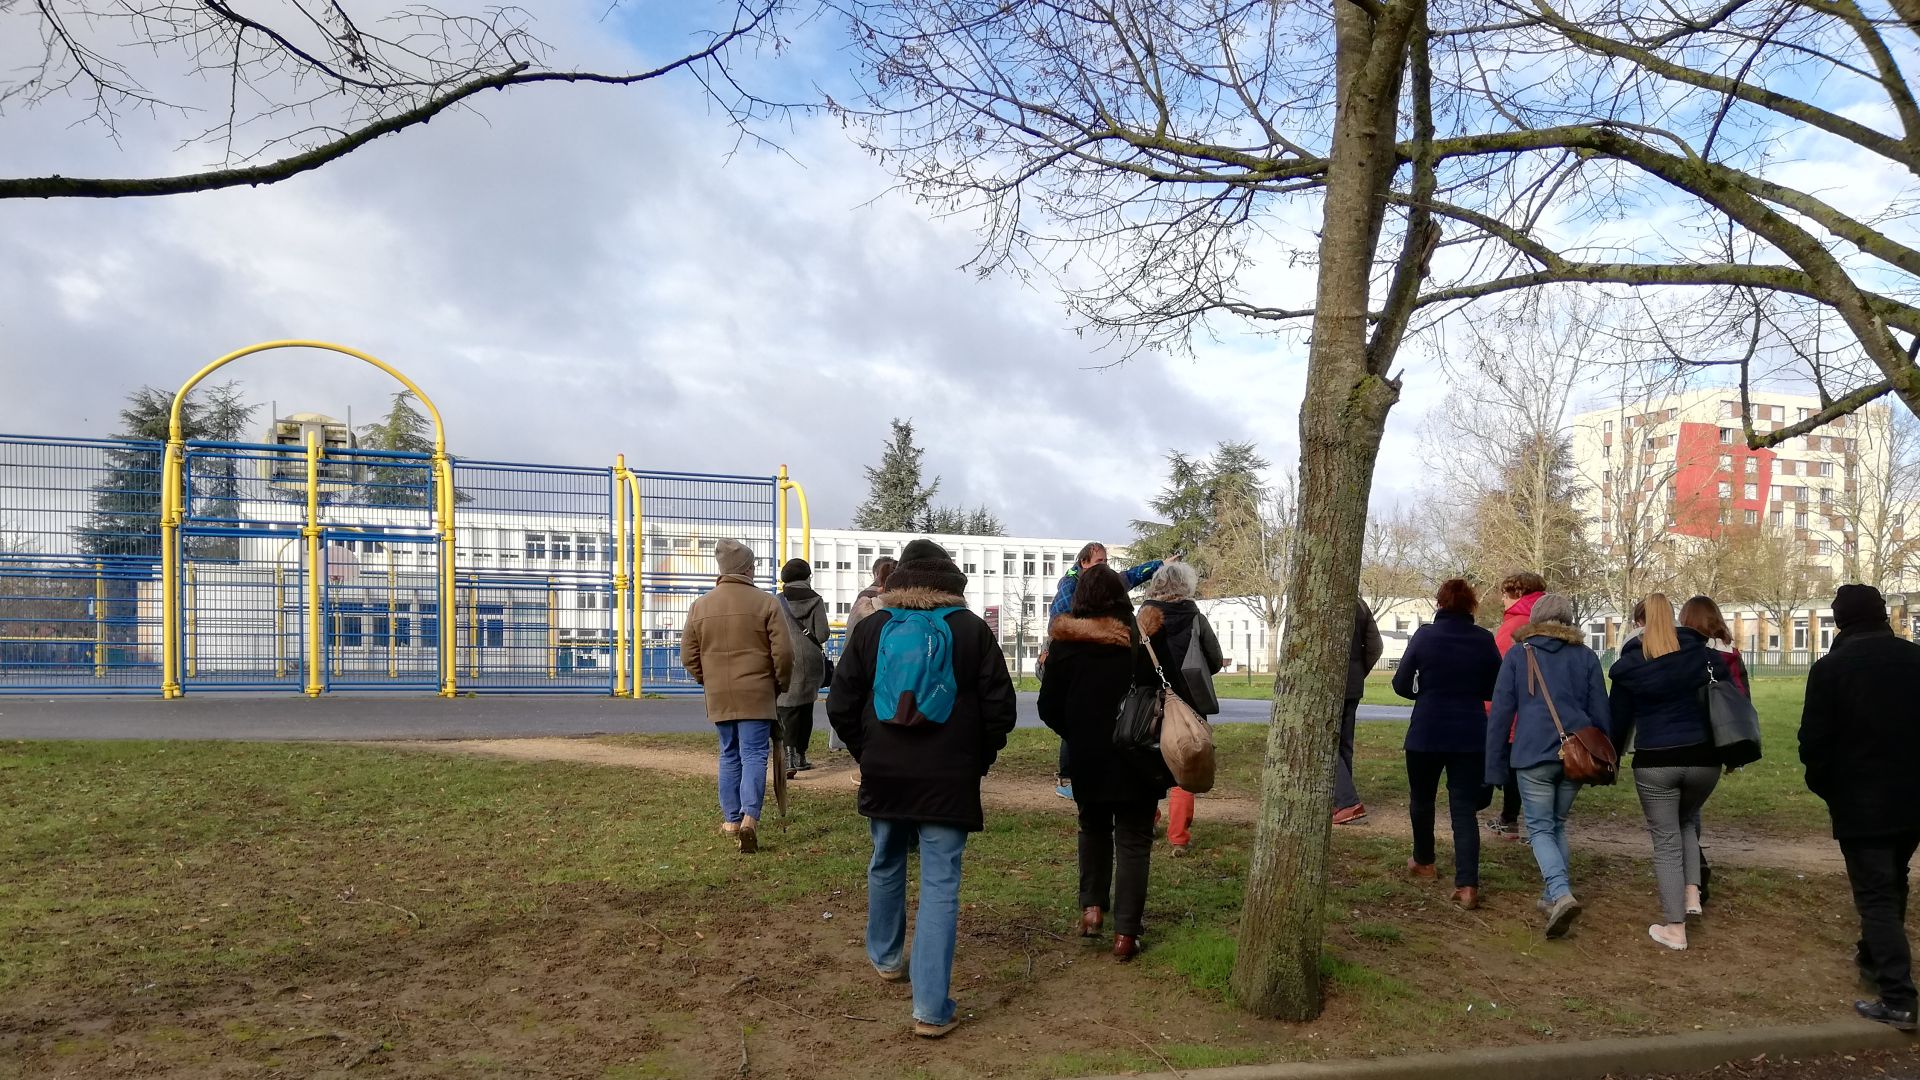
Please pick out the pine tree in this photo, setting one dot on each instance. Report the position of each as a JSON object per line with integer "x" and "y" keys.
{"x": 405, "y": 429}
{"x": 1199, "y": 493}
{"x": 126, "y": 503}
{"x": 896, "y": 499}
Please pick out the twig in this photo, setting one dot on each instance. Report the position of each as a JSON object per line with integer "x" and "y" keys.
{"x": 787, "y": 1007}
{"x": 334, "y": 1035}
{"x": 1151, "y": 1049}
{"x": 728, "y": 992}
{"x": 746, "y": 1066}
{"x": 862, "y": 1019}
{"x": 665, "y": 938}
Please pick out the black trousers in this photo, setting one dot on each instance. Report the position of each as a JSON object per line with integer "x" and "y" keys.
{"x": 1466, "y": 775}
{"x": 796, "y": 726}
{"x": 1066, "y": 769}
{"x": 1510, "y": 799}
{"x": 1877, "y": 867}
{"x": 1116, "y": 841}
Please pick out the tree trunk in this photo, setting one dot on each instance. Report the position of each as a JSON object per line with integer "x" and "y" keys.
{"x": 1277, "y": 968}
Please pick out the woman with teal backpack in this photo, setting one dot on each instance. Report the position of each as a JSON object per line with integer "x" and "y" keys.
{"x": 922, "y": 699}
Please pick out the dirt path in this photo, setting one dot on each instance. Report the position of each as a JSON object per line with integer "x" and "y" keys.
{"x": 1730, "y": 847}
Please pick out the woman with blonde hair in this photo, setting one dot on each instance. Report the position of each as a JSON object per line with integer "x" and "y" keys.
{"x": 1657, "y": 707}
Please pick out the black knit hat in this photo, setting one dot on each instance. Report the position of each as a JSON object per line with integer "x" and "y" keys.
{"x": 926, "y": 565}
{"x": 1858, "y": 607}
{"x": 795, "y": 570}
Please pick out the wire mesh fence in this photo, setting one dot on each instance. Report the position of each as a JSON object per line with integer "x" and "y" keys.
{"x": 260, "y": 603}
{"x": 79, "y": 564}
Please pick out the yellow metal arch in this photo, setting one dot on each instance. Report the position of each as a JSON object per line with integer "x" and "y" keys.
{"x": 172, "y": 512}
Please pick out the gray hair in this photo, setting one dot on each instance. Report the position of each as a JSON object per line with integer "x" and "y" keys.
{"x": 1553, "y": 607}
{"x": 1173, "y": 581}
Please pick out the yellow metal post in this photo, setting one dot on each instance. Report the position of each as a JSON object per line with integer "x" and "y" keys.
{"x": 314, "y": 569}
{"x": 780, "y": 522}
{"x": 788, "y": 483}
{"x": 279, "y": 621}
{"x": 99, "y": 620}
{"x": 620, "y": 583}
{"x": 193, "y": 629}
{"x": 171, "y": 482}
{"x": 449, "y": 594}
{"x": 639, "y": 590}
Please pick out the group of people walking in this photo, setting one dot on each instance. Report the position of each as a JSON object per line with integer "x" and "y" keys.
{"x": 923, "y": 701}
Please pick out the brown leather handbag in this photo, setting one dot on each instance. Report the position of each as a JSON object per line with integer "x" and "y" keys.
{"x": 1586, "y": 756}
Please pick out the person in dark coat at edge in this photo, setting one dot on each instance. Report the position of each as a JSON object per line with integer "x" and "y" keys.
{"x": 1521, "y": 590}
{"x": 864, "y": 605}
{"x": 807, "y": 632}
{"x": 1096, "y": 658}
{"x": 1860, "y": 742}
{"x": 1171, "y": 622}
{"x": 1365, "y": 652}
{"x": 1657, "y": 705}
{"x": 920, "y": 784}
{"x": 1448, "y": 672}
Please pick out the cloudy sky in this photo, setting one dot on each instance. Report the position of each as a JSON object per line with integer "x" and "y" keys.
{"x": 574, "y": 272}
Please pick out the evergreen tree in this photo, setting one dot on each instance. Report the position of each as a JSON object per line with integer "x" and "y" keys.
{"x": 126, "y": 502}
{"x": 1200, "y": 493}
{"x": 957, "y": 521}
{"x": 406, "y": 429}
{"x": 897, "y": 501}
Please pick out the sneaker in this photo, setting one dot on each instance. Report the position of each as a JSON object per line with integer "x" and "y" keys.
{"x": 1509, "y": 830}
{"x": 1180, "y": 851}
{"x": 749, "y": 836}
{"x": 1561, "y": 915}
{"x": 1064, "y": 788}
{"x": 934, "y": 1031}
{"x": 1661, "y": 934}
{"x": 1350, "y": 815}
{"x": 1882, "y": 1013}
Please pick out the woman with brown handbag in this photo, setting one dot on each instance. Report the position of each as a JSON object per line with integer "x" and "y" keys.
{"x": 1553, "y": 697}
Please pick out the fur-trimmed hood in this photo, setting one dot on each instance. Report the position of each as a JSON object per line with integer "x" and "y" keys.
{"x": 1094, "y": 630}
{"x": 1556, "y": 631}
{"x": 1153, "y": 615}
{"x": 920, "y": 598}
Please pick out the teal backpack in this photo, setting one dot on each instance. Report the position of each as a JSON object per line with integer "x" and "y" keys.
{"x": 913, "y": 672}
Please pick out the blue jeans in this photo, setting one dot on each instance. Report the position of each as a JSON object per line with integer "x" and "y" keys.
{"x": 935, "y": 924}
{"x": 1546, "y": 797}
{"x": 744, "y": 746}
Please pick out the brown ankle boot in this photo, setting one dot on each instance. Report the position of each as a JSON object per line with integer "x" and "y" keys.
{"x": 1467, "y": 897}
{"x": 1125, "y": 947}
{"x": 1090, "y": 921}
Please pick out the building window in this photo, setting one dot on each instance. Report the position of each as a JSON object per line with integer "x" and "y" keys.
{"x": 1028, "y": 565}
{"x": 1606, "y": 427}
{"x": 1752, "y": 491}
{"x": 866, "y": 558}
{"x": 1007, "y": 563}
{"x": 843, "y": 607}
{"x": 536, "y": 545}
{"x": 1049, "y": 565}
{"x": 1753, "y": 517}
{"x": 1726, "y": 462}
{"x": 843, "y": 565}
{"x": 588, "y": 548}
{"x": 562, "y": 547}
{"x": 1777, "y": 518}
{"x": 1730, "y": 409}
{"x": 1753, "y": 466}
{"x": 1800, "y": 520}
{"x": 1726, "y": 435}
{"x": 970, "y": 568}
{"x": 1726, "y": 490}
{"x": 589, "y": 600}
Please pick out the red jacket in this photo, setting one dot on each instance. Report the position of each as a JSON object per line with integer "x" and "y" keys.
{"x": 1518, "y": 614}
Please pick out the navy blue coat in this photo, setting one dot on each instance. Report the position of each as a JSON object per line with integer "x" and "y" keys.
{"x": 1457, "y": 664}
{"x": 1579, "y": 692}
{"x": 1656, "y": 704}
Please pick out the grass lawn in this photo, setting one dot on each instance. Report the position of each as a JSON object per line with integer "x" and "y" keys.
{"x": 1258, "y": 686}
{"x": 214, "y": 909}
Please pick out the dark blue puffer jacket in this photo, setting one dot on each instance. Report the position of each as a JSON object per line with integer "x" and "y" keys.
{"x": 1656, "y": 704}
{"x": 1455, "y": 663}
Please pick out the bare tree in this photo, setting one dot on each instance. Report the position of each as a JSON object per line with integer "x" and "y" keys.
{"x": 1779, "y": 575}
{"x": 303, "y": 83}
{"x": 1248, "y": 552}
{"x": 1878, "y": 545}
{"x": 1398, "y": 561}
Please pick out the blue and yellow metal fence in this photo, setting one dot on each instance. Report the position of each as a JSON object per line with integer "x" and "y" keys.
{"x": 177, "y": 566}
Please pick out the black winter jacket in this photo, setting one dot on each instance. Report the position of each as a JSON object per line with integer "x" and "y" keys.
{"x": 1860, "y": 733}
{"x": 1093, "y": 662}
{"x": 929, "y": 772}
{"x": 1170, "y": 627}
{"x": 1656, "y": 704}
{"x": 1456, "y": 664}
{"x": 1364, "y": 652}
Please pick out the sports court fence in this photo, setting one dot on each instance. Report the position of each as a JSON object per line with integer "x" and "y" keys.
{"x": 240, "y": 566}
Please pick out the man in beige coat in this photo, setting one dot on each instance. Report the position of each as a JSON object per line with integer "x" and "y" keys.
{"x": 736, "y": 647}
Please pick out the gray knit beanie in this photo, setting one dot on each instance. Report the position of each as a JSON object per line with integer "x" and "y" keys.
{"x": 1553, "y": 607}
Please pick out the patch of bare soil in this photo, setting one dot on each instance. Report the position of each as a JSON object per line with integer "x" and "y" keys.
{"x": 1730, "y": 847}
{"x": 1870, "y": 1065}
